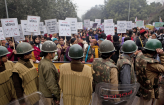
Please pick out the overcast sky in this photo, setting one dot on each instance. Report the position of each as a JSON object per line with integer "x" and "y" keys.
{"x": 84, "y": 5}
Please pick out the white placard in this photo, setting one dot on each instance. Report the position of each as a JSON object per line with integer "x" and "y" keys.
{"x": 98, "y": 21}
{"x": 87, "y": 23}
{"x": 51, "y": 26}
{"x": 2, "y": 37}
{"x": 108, "y": 21}
{"x": 79, "y": 25}
{"x": 21, "y": 37}
{"x": 57, "y": 27}
{"x": 91, "y": 24}
{"x": 140, "y": 24}
{"x": 41, "y": 24}
{"x": 102, "y": 27}
{"x": 37, "y": 33}
{"x": 121, "y": 26}
{"x": 33, "y": 23}
{"x": 64, "y": 28}
{"x": 129, "y": 25}
{"x": 109, "y": 28}
{"x": 24, "y": 25}
{"x": 73, "y": 23}
{"x": 10, "y": 27}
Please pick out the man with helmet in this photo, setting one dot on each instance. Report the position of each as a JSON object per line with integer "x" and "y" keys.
{"x": 7, "y": 91}
{"x": 48, "y": 74}
{"x": 141, "y": 40}
{"x": 148, "y": 70}
{"x": 76, "y": 79}
{"x": 105, "y": 69}
{"x": 125, "y": 63}
{"x": 25, "y": 76}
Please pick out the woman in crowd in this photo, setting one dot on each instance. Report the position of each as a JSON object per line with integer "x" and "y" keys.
{"x": 109, "y": 37}
{"x": 61, "y": 49}
{"x": 12, "y": 56}
{"x": 36, "y": 41}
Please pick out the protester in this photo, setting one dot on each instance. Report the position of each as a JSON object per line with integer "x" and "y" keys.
{"x": 12, "y": 56}
{"x": 7, "y": 90}
{"x": 61, "y": 49}
{"x": 35, "y": 53}
{"x": 109, "y": 37}
{"x": 36, "y": 41}
{"x": 4, "y": 43}
{"x": 55, "y": 40}
{"x": 48, "y": 74}
{"x": 95, "y": 35}
{"x": 76, "y": 76}
{"x": 91, "y": 51}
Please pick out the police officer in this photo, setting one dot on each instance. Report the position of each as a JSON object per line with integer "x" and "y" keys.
{"x": 125, "y": 63}
{"x": 148, "y": 70}
{"x": 76, "y": 79}
{"x": 48, "y": 74}
{"x": 105, "y": 69}
{"x": 25, "y": 76}
{"x": 7, "y": 91}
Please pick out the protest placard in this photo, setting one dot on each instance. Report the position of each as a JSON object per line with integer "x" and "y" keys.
{"x": 33, "y": 23}
{"x": 109, "y": 28}
{"x": 129, "y": 25}
{"x": 21, "y": 37}
{"x": 102, "y": 27}
{"x": 51, "y": 26}
{"x": 64, "y": 28}
{"x": 2, "y": 37}
{"x": 87, "y": 23}
{"x": 41, "y": 24}
{"x": 158, "y": 24}
{"x": 73, "y": 24}
{"x": 24, "y": 26}
{"x": 94, "y": 25}
{"x": 79, "y": 25}
{"x": 140, "y": 23}
{"x": 91, "y": 24}
{"x": 37, "y": 33}
{"x": 121, "y": 26}
{"x": 98, "y": 21}
{"x": 10, "y": 27}
{"x": 108, "y": 21}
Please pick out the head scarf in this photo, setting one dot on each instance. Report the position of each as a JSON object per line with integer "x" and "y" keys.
{"x": 109, "y": 38}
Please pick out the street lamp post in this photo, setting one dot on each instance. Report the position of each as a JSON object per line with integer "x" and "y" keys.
{"x": 6, "y": 9}
{"x": 129, "y": 10}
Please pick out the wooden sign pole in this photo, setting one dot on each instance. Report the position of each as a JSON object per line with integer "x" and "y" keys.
{"x": 13, "y": 43}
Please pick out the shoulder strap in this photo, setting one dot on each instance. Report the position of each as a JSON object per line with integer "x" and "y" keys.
{"x": 87, "y": 53}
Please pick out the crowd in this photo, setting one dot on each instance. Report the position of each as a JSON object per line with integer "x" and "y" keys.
{"x": 127, "y": 58}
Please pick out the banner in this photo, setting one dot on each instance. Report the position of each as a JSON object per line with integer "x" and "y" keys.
{"x": 24, "y": 26}
{"x": 158, "y": 24}
{"x": 41, "y": 24}
{"x": 109, "y": 29}
{"x": 64, "y": 28}
{"x": 121, "y": 26}
{"x": 2, "y": 37}
{"x": 79, "y": 25}
{"x": 98, "y": 21}
{"x": 150, "y": 27}
{"x": 95, "y": 25}
{"x": 140, "y": 24}
{"x": 51, "y": 26}
{"x": 33, "y": 23}
{"x": 108, "y": 21}
{"x": 21, "y": 37}
{"x": 129, "y": 25}
{"x": 73, "y": 23}
{"x": 87, "y": 23}
{"x": 91, "y": 24}
{"x": 10, "y": 27}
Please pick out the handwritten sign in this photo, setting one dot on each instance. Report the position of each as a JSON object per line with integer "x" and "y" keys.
{"x": 10, "y": 27}
{"x": 129, "y": 25}
{"x": 121, "y": 26}
{"x": 108, "y": 21}
{"x": 64, "y": 28}
{"x": 21, "y": 37}
{"x": 24, "y": 26}
{"x": 87, "y": 23}
{"x": 2, "y": 37}
{"x": 33, "y": 23}
{"x": 98, "y": 21}
{"x": 73, "y": 23}
{"x": 79, "y": 25}
{"x": 41, "y": 24}
{"x": 159, "y": 24}
{"x": 51, "y": 26}
{"x": 94, "y": 25}
{"x": 91, "y": 24}
{"x": 140, "y": 24}
{"x": 109, "y": 28}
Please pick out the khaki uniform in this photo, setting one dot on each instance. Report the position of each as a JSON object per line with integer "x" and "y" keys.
{"x": 76, "y": 86}
{"x": 29, "y": 77}
{"x": 148, "y": 70}
{"x": 48, "y": 79}
{"x": 7, "y": 91}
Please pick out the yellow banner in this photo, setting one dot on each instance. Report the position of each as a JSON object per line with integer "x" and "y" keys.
{"x": 150, "y": 27}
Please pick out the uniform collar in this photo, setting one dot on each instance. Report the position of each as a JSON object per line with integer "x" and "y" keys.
{"x": 47, "y": 59}
{"x": 108, "y": 59}
{"x": 149, "y": 55}
{"x": 76, "y": 62}
{"x": 23, "y": 61}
